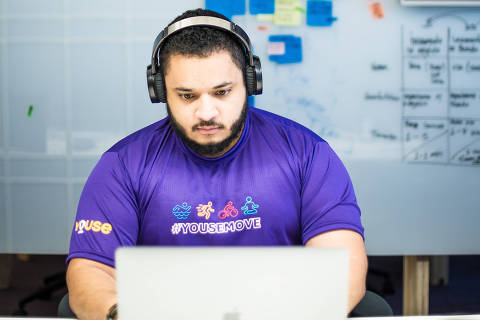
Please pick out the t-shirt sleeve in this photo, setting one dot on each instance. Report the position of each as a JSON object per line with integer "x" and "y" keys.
{"x": 107, "y": 213}
{"x": 328, "y": 198}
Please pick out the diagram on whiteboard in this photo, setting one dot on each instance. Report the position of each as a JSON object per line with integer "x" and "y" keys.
{"x": 441, "y": 92}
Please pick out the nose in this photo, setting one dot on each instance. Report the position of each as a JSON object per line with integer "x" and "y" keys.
{"x": 206, "y": 109}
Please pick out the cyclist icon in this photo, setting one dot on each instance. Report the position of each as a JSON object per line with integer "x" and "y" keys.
{"x": 228, "y": 211}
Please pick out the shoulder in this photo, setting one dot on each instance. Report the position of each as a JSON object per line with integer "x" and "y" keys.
{"x": 141, "y": 149}
{"x": 266, "y": 120}
{"x": 142, "y": 138}
{"x": 284, "y": 132}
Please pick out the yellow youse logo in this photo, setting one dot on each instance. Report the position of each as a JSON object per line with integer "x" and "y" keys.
{"x": 93, "y": 225}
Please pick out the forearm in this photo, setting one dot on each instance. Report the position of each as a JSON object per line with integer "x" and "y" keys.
{"x": 92, "y": 290}
{"x": 357, "y": 279}
{"x": 358, "y": 263}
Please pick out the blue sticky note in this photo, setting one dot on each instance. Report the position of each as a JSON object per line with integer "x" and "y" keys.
{"x": 226, "y": 7}
{"x": 319, "y": 13}
{"x": 238, "y": 7}
{"x": 262, "y": 6}
{"x": 251, "y": 101}
{"x": 293, "y": 49}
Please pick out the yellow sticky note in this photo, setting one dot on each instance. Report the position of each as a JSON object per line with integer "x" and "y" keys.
{"x": 264, "y": 17}
{"x": 286, "y": 13}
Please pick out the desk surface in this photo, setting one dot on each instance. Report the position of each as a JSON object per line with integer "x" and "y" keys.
{"x": 448, "y": 317}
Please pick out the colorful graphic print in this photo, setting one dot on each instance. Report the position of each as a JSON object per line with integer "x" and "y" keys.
{"x": 228, "y": 211}
{"x": 250, "y": 207}
{"x": 204, "y": 210}
{"x": 181, "y": 211}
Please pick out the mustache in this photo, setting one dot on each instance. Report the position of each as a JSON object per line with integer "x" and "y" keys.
{"x": 209, "y": 123}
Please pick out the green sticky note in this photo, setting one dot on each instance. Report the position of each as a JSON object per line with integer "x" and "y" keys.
{"x": 30, "y": 110}
{"x": 286, "y": 13}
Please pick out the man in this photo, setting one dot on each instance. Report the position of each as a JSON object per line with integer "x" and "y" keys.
{"x": 214, "y": 172}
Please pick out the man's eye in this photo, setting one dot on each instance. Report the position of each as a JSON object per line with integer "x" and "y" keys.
{"x": 186, "y": 96}
{"x": 222, "y": 92}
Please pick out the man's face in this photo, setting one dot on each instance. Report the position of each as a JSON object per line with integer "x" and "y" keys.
{"x": 206, "y": 101}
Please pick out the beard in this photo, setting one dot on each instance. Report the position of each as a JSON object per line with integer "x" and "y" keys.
{"x": 211, "y": 148}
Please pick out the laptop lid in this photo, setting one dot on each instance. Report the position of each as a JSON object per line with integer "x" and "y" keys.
{"x": 234, "y": 283}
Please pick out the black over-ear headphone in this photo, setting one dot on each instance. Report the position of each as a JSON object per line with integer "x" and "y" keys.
{"x": 253, "y": 72}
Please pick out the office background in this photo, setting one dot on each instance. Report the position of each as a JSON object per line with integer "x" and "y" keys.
{"x": 398, "y": 98}
{"x": 395, "y": 90}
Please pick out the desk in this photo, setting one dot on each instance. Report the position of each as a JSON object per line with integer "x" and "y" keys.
{"x": 463, "y": 317}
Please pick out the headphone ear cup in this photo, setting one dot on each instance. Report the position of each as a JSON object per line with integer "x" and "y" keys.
{"x": 250, "y": 80}
{"x": 253, "y": 76}
{"x": 151, "y": 85}
{"x": 160, "y": 88}
{"x": 258, "y": 75}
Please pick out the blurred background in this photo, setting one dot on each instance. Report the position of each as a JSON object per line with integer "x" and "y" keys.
{"x": 395, "y": 90}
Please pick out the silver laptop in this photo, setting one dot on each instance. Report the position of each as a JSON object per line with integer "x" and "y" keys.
{"x": 232, "y": 283}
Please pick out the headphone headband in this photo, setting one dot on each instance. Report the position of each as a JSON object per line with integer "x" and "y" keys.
{"x": 208, "y": 21}
{"x": 253, "y": 68}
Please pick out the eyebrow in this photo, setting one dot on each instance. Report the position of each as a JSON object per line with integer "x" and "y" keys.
{"x": 223, "y": 84}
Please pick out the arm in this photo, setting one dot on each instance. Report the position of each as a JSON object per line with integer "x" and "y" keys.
{"x": 108, "y": 206}
{"x": 91, "y": 287}
{"x": 358, "y": 260}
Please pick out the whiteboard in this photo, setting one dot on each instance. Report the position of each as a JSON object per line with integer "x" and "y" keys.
{"x": 398, "y": 99}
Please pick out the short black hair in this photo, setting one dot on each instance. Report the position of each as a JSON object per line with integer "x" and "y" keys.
{"x": 201, "y": 41}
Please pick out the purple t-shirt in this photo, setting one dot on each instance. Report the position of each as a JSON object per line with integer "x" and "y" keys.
{"x": 281, "y": 184}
